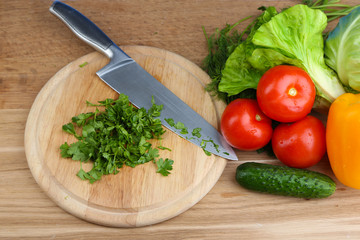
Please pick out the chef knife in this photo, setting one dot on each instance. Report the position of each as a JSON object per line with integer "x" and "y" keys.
{"x": 125, "y": 76}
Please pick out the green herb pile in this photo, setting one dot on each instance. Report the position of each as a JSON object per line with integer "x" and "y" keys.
{"x": 116, "y": 136}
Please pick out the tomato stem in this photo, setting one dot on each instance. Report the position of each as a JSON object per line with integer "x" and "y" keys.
{"x": 258, "y": 117}
{"x": 292, "y": 92}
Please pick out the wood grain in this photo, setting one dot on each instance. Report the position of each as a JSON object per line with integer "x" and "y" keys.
{"x": 34, "y": 45}
{"x": 136, "y": 196}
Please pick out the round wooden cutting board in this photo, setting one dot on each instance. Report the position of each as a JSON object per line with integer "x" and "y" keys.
{"x": 135, "y": 196}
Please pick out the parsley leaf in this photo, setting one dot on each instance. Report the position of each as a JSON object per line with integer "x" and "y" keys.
{"x": 170, "y": 121}
{"x": 83, "y": 64}
{"x": 69, "y": 128}
{"x": 155, "y": 110}
{"x": 203, "y": 145}
{"x": 196, "y": 132}
{"x": 164, "y": 166}
{"x": 64, "y": 148}
{"x": 179, "y": 125}
{"x": 82, "y": 174}
{"x": 163, "y": 148}
{"x": 80, "y": 120}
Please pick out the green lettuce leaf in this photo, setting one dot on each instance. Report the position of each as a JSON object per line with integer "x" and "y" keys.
{"x": 296, "y": 33}
{"x": 264, "y": 59}
{"x": 238, "y": 74}
{"x": 342, "y": 49}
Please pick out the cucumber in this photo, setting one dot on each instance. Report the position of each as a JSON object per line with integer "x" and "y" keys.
{"x": 285, "y": 181}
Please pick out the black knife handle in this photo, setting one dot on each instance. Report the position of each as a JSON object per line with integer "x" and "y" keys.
{"x": 84, "y": 28}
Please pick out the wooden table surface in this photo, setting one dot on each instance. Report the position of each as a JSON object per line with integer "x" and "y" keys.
{"x": 34, "y": 45}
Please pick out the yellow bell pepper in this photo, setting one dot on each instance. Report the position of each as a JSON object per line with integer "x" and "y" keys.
{"x": 343, "y": 139}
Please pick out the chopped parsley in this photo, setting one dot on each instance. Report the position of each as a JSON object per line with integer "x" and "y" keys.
{"x": 163, "y": 148}
{"x": 204, "y": 143}
{"x": 164, "y": 166}
{"x": 115, "y": 137}
{"x": 170, "y": 121}
{"x": 179, "y": 125}
{"x": 196, "y": 132}
{"x": 83, "y": 64}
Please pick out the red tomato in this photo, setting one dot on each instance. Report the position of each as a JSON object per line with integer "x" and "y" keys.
{"x": 286, "y": 93}
{"x": 245, "y": 126}
{"x": 300, "y": 144}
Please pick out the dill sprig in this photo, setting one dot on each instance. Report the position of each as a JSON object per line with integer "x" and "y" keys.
{"x": 220, "y": 45}
{"x": 332, "y": 8}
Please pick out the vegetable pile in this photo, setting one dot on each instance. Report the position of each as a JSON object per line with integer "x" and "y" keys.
{"x": 295, "y": 36}
{"x": 115, "y": 137}
{"x": 288, "y": 66}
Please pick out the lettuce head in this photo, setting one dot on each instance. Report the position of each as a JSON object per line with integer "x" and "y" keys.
{"x": 342, "y": 49}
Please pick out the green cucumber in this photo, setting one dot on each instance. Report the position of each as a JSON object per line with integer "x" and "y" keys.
{"x": 286, "y": 181}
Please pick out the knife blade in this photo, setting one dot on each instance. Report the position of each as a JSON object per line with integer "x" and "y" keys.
{"x": 126, "y": 76}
